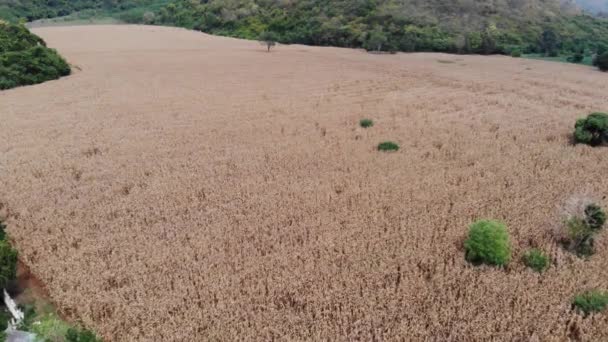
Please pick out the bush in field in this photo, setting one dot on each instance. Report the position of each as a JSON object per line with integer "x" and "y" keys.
{"x": 592, "y": 130}
{"x": 591, "y": 301}
{"x": 595, "y": 216}
{"x": 8, "y": 264}
{"x": 516, "y": 53}
{"x": 269, "y": 39}
{"x": 601, "y": 61}
{"x": 366, "y": 123}
{"x": 581, "y": 226}
{"x": 388, "y": 146}
{"x": 536, "y": 260}
{"x": 488, "y": 243}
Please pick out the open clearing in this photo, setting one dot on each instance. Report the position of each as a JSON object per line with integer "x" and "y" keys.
{"x": 185, "y": 187}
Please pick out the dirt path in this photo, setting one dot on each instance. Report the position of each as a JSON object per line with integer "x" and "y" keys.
{"x": 184, "y": 187}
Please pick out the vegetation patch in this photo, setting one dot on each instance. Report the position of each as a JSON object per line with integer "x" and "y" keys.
{"x": 25, "y": 59}
{"x": 536, "y": 260}
{"x": 581, "y": 227}
{"x": 592, "y": 130}
{"x": 488, "y": 243}
{"x": 591, "y": 301}
{"x": 366, "y": 123}
{"x": 388, "y": 146}
{"x": 601, "y": 61}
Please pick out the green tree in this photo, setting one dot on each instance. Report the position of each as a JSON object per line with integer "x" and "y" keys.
{"x": 488, "y": 243}
{"x": 549, "y": 43}
{"x": 268, "y": 38}
{"x": 376, "y": 39}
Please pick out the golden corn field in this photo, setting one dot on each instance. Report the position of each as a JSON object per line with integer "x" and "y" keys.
{"x": 185, "y": 187}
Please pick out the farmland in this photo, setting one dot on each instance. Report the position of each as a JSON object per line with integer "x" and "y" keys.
{"x": 179, "y": 184}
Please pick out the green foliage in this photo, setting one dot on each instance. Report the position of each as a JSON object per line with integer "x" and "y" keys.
{"x": 582, "y": 230}
{"x": 366, "y": 123}
{"x": 15, "y": 10}
{"x": 595, "y": 216}
{"x": 592, "y": 130}
{"x": 601, "y": 61}
{"x": 50, "y": 328}
{"x": 488, "y": 243}
{"x": 391, "y": 26}
{"x": 376, "y": 39}
{"x": 576, "y": 58}
{"x": 591, "y": 301}
{"x": 580, "y": 236}
{"x": 25, "y": 60}
{"x": 268, "y": 38}
{"x": 516, "y": 53}
{"x": 388, "y": 146}
{"x": 536, "y": 260}
{"x": 29, "y": 317}
{"x": 8, "y": 264}
{"x": 2, "y": 230}
{"x": 500, "y": 26}
{"x": 80, "y": 335}
{"x": 4, "y": 317}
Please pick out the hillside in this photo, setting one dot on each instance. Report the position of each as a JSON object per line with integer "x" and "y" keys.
{"x": 501, "y": 26}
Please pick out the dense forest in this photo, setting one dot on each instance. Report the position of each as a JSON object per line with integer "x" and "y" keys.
{"x": 548, "y": 27}
{"x": 28, "y": 10}
{"x": 464, "y": 26}
{"x": 25, "y": 59}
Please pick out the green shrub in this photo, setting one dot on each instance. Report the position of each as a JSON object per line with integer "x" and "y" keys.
{"x": 601, "y": 61}
{"x": 488, "y": 243}
{"x": 576, "y": 58}
{"x": 580, "y": 236}
{"x": 50, "y": 328}
{"x": 536, "y": 260}
{"x": 595, "y": 216}
{"x": 8, "y": 264}
{"x": 591, "y": 301}
{"x": 592, "y": 130}
{"x": 516, "y": 53}
{"x": 366, "y": 123}
{"x": 81, "y": 335}
{"x": 581, "y": 229}
{"x": 388, "y": 146}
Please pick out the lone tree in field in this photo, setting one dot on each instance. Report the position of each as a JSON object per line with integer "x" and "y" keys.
{"x": 269, "y": 39}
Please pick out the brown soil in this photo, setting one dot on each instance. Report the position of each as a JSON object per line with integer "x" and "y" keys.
{"x": 184, "y": 187}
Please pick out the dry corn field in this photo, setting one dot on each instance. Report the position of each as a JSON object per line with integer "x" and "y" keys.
{"x": 185, "y": 187}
